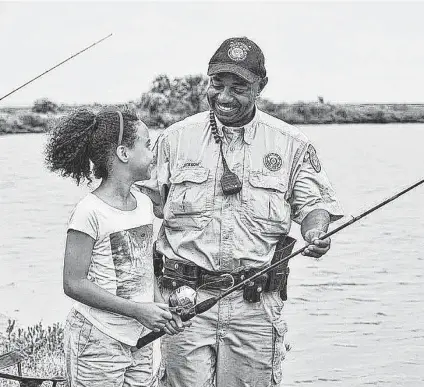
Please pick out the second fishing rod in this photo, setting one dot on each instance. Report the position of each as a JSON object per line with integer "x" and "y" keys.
{"x": 210, "y": 302}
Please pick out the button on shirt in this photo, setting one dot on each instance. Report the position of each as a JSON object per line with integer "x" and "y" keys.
{"x": 282, "y": 180}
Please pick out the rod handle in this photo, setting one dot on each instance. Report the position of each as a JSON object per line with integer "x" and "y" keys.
{"x": 149, "y": 338}
{"x": 152, "y": 336}
{"x": 198, "y": 309}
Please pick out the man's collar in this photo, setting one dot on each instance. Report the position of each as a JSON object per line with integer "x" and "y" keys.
{"x": 249, "y": 129}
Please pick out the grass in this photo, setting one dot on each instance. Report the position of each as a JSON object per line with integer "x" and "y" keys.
{"x": 43, "y": 348}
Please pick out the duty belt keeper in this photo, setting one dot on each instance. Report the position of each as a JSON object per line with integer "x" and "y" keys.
{"x": 177, "y": 273}
{"x": 277, "y": 278}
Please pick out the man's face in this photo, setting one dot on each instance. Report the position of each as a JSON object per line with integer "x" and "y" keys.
{"x": 232, "y": 98}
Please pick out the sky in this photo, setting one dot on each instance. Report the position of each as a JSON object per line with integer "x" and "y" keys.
{"x": 359, "y": 52}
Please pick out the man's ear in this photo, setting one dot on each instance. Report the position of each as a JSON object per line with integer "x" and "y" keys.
{"x": 122, "y": 153}
{"x": 262, "y": 84}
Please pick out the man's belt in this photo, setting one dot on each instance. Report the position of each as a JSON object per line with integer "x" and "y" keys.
{"x": 176, "y": 273}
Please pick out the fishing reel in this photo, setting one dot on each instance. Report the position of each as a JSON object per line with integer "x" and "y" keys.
{"x": 182, "y": 301}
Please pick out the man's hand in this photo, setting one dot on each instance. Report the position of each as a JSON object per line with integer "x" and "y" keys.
{"x": 317, "y": 247}
{"x": 175, "y": 326}
{"x": 313, "y": 226}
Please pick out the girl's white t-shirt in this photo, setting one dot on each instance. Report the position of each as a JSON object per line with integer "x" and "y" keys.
{"x": 121, "y": 262}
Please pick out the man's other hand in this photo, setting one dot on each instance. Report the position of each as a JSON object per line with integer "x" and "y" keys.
{"x": 317, "y": 248}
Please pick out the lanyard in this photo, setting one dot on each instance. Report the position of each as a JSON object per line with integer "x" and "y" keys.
{"x": 230, "y": 182}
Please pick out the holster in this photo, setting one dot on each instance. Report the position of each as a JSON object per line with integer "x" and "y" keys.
{"x": 278, "y": 277}
{"x": 157, "y": 262}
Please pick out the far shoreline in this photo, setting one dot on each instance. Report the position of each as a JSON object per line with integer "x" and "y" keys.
{"x": 39, "y": 132}
{"x": 38, "y": 118}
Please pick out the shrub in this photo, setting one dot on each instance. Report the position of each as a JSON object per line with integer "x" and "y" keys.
{"x": 44, "y": 106}
{"x": 33, "y": 120}
{"x": 3, "y": 126}
{"x": 43, "y": 348}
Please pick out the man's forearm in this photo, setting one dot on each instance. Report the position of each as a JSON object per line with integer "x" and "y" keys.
{"x": 315, "y": 220}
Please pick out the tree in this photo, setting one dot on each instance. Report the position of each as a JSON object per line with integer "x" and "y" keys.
{"x": 161, "y": 85}
{"x": 191, "y": 89}
{"x": 169, "y": 101}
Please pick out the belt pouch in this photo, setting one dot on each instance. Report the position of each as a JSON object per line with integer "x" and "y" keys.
{"x": 252, "y": 291}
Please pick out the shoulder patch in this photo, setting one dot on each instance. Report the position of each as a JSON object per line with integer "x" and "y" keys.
{"x": 311, "y": 156}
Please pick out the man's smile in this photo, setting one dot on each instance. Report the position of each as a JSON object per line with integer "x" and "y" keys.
{"x": 225, "y": 108}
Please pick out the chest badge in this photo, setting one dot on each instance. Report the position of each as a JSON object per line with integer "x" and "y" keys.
{"x": 311, "y": 155}
{"x": 273, "y": 161}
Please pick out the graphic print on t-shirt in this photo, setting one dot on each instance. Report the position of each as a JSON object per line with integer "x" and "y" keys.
{"x": 131, "y": 254}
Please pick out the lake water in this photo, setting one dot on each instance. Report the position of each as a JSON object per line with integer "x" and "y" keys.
{"x": 355, "y": 318}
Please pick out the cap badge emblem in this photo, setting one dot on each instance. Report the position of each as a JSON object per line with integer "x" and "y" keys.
{"x": 238, "y": 51}
{"x": 273, "y": 161}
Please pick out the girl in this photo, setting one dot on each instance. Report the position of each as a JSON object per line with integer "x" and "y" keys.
{"x": 108, "y": 266}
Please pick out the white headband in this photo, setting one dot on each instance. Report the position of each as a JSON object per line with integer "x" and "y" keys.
{"x": 121, "y": 127}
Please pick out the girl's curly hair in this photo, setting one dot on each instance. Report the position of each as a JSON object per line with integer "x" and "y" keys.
{"x": 83, "y": 136}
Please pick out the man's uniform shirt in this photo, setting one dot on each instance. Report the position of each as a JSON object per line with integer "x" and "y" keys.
{"x": 282, "y": 180}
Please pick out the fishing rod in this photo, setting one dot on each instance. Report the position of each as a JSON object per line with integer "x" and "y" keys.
{"x": 45, "y": 72}
{"x": 210, "y": 302}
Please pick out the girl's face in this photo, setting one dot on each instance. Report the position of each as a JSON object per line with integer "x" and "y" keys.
{"x": 141, "y": 156}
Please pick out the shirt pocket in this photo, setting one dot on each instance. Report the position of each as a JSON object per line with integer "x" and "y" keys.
{"x": 266, "y": 208}
{"x": 190, "y": 200}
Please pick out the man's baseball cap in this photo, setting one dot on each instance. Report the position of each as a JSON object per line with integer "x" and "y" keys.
{"x": 240, "y": 56}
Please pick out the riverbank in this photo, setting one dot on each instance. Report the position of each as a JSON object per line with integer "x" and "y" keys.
{"x": 25, "y": 120}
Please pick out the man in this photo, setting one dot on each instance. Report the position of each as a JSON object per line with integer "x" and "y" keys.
{"x": 227, "y": 184}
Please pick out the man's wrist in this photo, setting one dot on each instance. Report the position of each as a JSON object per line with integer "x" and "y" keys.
{"x": 316, "y": 221}
{"x": 313, "y": 234}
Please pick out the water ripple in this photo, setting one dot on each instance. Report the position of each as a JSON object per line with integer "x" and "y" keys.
{"x": 337, "y": 306}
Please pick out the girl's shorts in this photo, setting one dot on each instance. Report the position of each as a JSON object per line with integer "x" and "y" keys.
{"x": 94, "y": 359}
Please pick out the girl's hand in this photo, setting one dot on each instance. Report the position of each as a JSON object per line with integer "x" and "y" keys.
{"x": 176, "y": 325}
{"x": 153, "y": 316}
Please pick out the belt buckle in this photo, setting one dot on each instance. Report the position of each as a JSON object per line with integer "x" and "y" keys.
{"x": 216, "y": 281}
{"x": 232, "y": 279}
